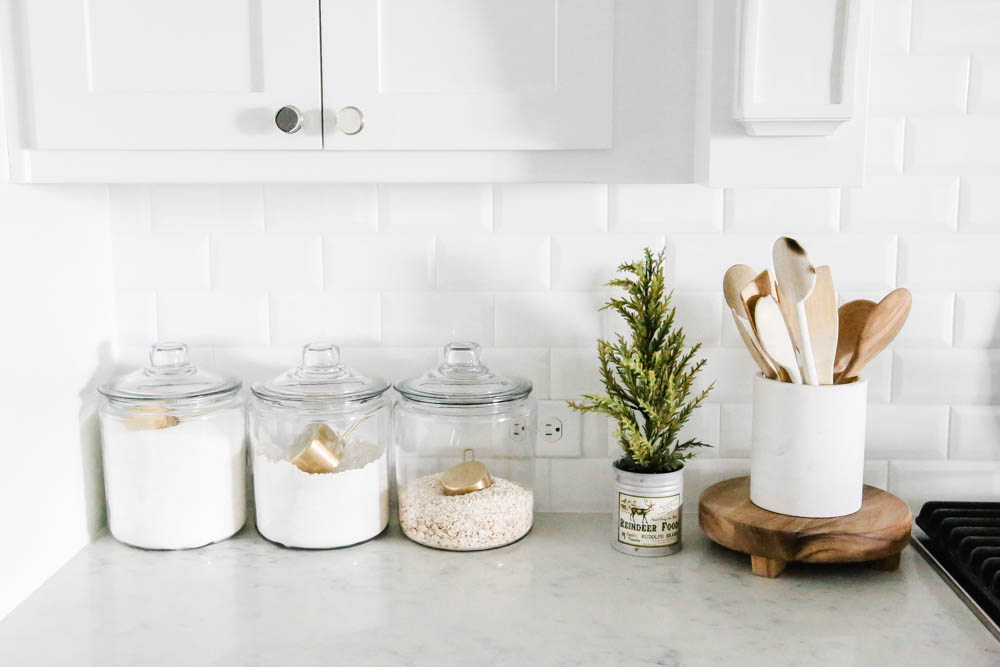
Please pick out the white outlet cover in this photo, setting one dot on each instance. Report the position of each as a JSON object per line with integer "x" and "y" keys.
{"x": 570, "y": 442}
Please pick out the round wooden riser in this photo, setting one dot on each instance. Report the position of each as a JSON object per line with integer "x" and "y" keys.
{"x": 876, "y": 533}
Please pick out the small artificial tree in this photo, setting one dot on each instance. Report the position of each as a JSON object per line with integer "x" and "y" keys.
{"x": 648, "y": 378}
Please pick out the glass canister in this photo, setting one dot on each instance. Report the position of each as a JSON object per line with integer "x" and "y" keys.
{"x": 318, "y": 440}
{"x": 174, "y": 453}
{"x": 465, "y": 454}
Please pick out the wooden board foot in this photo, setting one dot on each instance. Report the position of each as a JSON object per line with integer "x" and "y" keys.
{"x": 887, "y": 564}
{"x": 766, "y": 567}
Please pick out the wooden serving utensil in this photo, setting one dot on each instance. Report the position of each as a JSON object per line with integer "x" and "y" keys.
{"x": 851, "y": 317}
{"x": 821, "y": 312}
{"x": 774, "y": 338}
{"x": 882, "y": 325}
{"x": 796, "y": 277}
{"x": 737, "y": 277}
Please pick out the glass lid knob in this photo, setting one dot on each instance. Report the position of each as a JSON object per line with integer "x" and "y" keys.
{"x": 462, "y": 357}
{"x": 321, "y": 358}
{"x": 170, "y": 358}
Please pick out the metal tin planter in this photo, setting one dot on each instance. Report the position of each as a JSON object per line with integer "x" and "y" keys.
{"x": 648, "y": 515}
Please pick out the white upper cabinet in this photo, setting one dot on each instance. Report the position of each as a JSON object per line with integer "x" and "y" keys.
{"x": 177, "y": 75}
{"x": 468, "y": 74}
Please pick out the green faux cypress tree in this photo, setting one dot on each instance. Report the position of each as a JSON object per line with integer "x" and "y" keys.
{"x": 648, "y": 378}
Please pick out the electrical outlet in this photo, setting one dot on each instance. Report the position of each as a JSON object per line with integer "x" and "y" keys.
{"x": 558, "y": 430}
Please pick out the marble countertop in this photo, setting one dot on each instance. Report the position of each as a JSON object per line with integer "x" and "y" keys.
{"x": 561, "y": 596}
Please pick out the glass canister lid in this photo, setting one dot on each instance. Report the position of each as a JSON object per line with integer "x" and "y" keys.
{"x": 463, "y": 379}
{"x": 321, "y": 378}
{"x": 170, "y": 375}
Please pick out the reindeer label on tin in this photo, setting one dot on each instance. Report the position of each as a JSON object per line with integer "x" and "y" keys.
{"x": 648, "y": 522}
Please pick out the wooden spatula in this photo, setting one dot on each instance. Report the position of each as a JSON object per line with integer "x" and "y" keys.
{"x": 882, "y": 325}
{"x": 851, "y": 317}
{"x": 737, "y": 277}
{"x": 821, "y": 313}
{"x": 796, "y": 277}
{"x": 774, "y": 338}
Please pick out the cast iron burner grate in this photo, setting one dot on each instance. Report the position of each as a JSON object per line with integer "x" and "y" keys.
{"x": 963, "y": 542}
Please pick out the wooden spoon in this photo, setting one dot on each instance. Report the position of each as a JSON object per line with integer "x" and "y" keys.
{"x": 796, "y": 278}
{"x": 774, "y": 338}
{"x": 852, "y": 317}
{"x": 737, "y": 277}
{"x": 882, "y": 325}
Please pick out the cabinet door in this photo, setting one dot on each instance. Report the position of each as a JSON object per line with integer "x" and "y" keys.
{"x": 468, "y": 74}
{"x": 177, "y": 74}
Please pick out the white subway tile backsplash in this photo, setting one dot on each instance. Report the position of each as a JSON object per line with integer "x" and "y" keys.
{"x": 955, "y": 26}
{"x": 916, "y": 482}
{"x": 665, "y": 208}
{"x": 962, "y": 261}
{"x": 965, "y": 141}
{"x": 903, "y": 205}
{"x": 918, "y": 84}
{"x": 135, "y": 317}
{"x": 129, "y": 208}
{"x": 441, "y": 208}
{"x": 946, "y": 376}
{"x": 564, "y": 319}
{"x": 393, "y": 363}
{"x": 373, "y": 261}
{"x": 156, "y": 261}
{"x": 531, "y": 363}
{"x": 583, "y": 485}
{"x": 783, "y": 211}
{"x": 735, "y": 429}
{"x": 492, "y": 262}
{"x": 891, "y": 26}
{"x": 698, "y": 261}
{"x": 984, "y": 85}
{"x": 595, "y": 436}
{"x": 207, "y": 208}
{"x": 435, "y": 318}
{"x": 980, "y": 203}
{"x": 321, "y": 208}
{"x": 344, "y": 318}
{"x": 212, "y": 318}
{"x": 267, "y": 261}
{"x": 858, "y": 261}
{"x": 884, "y": 150}
{"x": 588, "y": 262}
{"x": 732, "y": 370}
{"x": 543, "y": 208}
{"x": 575, "y": 371}
{"x": 907, "y": 432}
{"x": 702, "y": 472}
{"x": 975, "y": 432}
{"x": 977, "y": 319}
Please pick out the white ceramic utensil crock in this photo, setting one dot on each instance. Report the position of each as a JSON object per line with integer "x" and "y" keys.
{"x": 808, "y": 447}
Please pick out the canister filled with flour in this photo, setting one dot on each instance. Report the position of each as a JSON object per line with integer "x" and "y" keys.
{"x": 318, "y": 440}
{"x": 172, "y": 439}
{"x": 464, "y": 445}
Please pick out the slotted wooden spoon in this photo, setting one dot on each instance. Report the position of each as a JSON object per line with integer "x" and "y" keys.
{"x": 882, "y": 325}
{"x": 737, "y": 277}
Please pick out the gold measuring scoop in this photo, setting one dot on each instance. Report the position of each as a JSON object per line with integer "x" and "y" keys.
{"x": 319, "y": 449}
{"x": 468, "y": 476}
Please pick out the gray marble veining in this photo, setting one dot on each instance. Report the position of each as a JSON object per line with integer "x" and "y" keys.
{"x": 561, "y": 596}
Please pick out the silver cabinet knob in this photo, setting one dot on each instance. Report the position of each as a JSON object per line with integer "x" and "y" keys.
{"x": 288, "y": 119}
{"x": 350, "y": 120}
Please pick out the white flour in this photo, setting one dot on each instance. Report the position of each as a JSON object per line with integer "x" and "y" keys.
{"x": 178, "y": 487}
{"x": 319, "y": 511}
{"x": 483, "y": 519}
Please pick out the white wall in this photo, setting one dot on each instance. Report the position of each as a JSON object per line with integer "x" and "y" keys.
{"x": 247, "y": 273}
{"x": 55, "y": 333}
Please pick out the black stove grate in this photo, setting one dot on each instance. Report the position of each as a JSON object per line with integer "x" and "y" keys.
{"x": 964, "y": 537}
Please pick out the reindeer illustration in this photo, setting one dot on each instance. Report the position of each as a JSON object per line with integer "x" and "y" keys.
{"x": 641, "y": 511}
